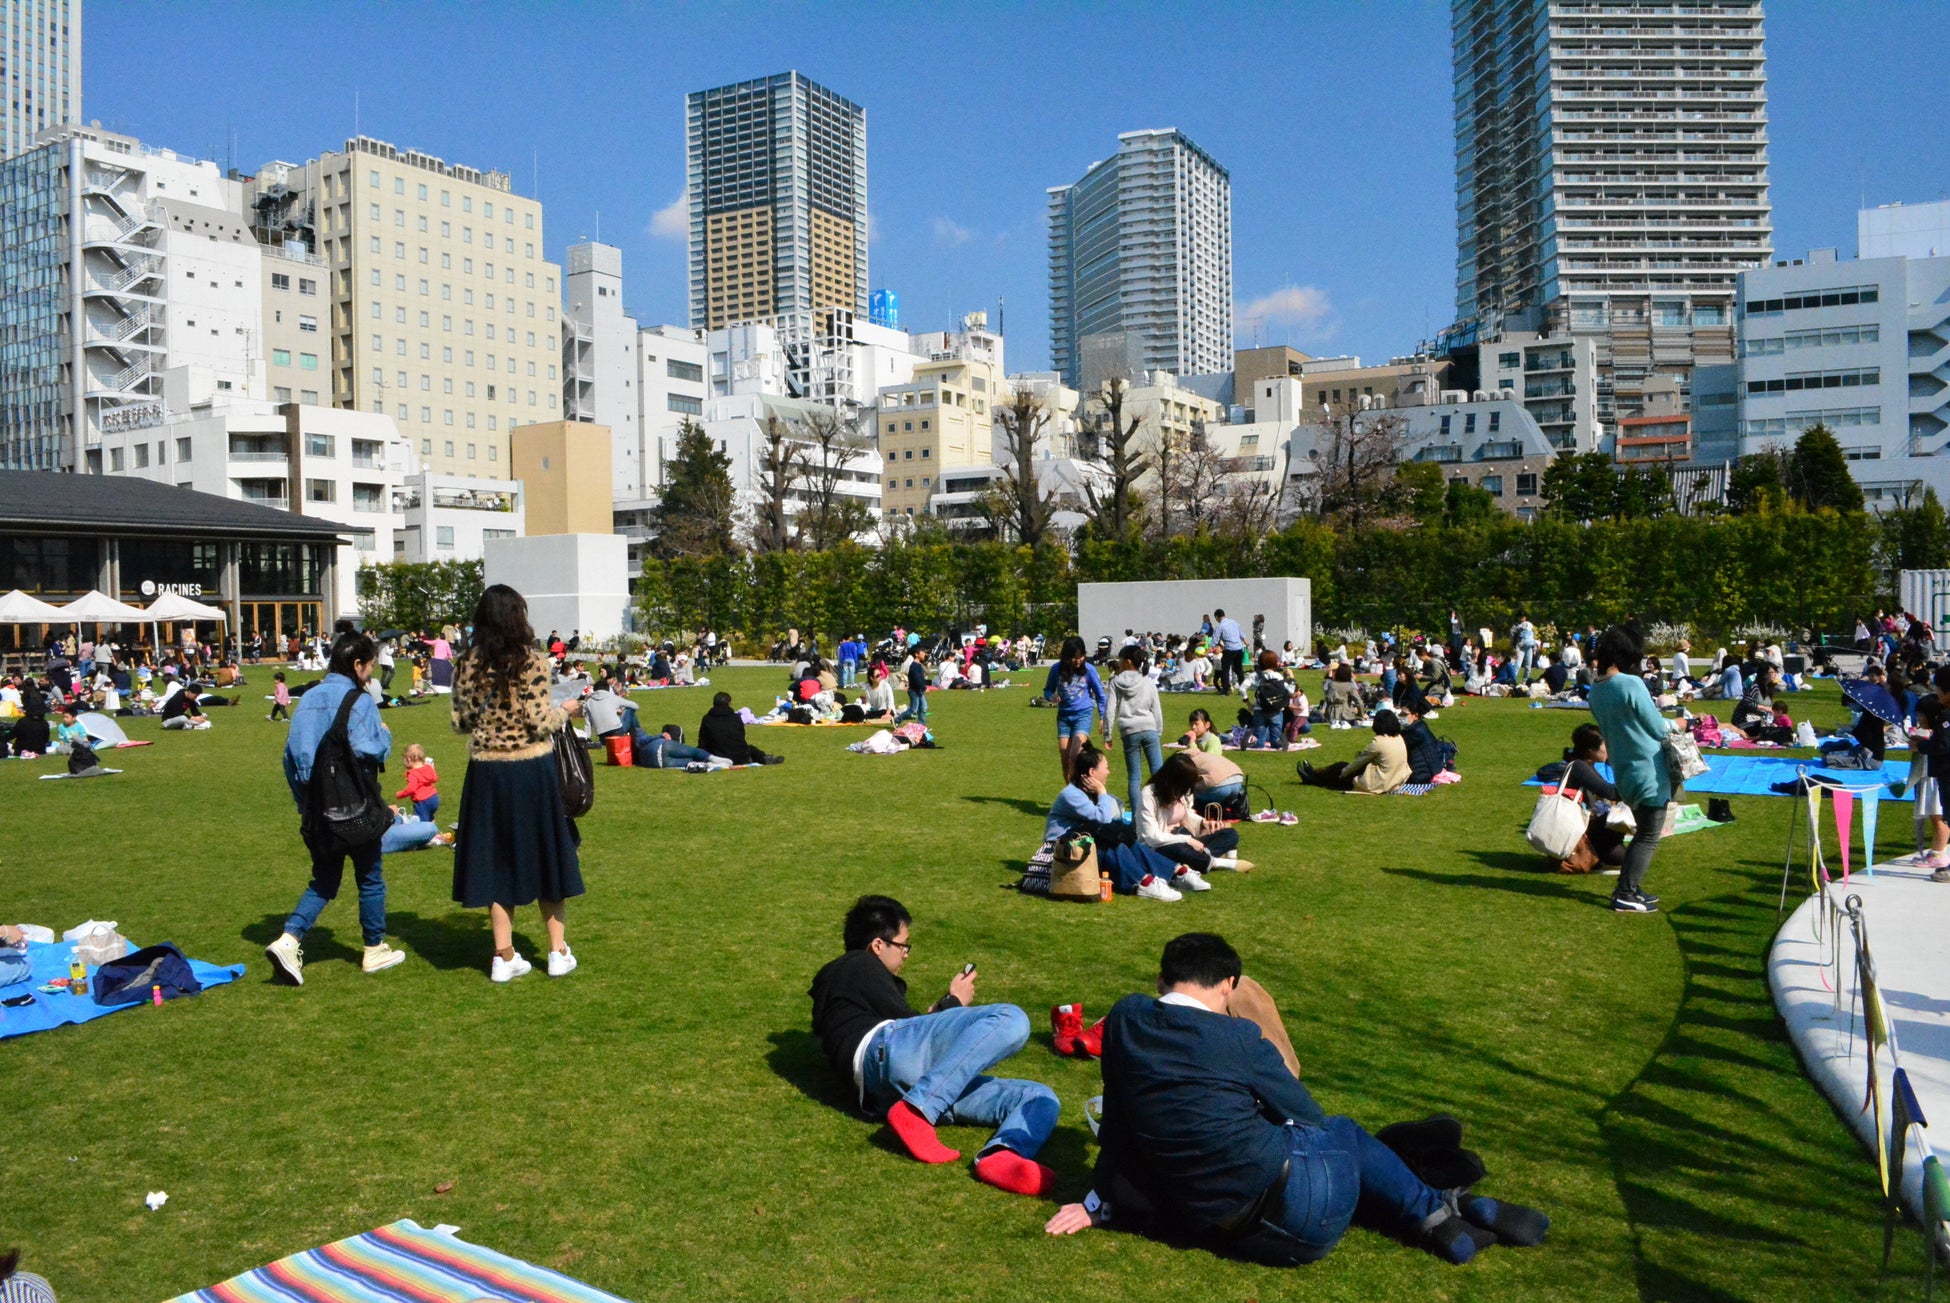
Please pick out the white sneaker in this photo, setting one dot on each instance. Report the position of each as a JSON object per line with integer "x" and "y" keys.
{"x": 1157, "y": 890}
{"x": 287, "y": 960}
{"x": 561, "y": 962}
{"x": 507, "y": 970}
{"x": 1191, "y": 880}
{"x": 381, "y": 957}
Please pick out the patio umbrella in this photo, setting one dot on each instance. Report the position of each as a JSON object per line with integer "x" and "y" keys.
{"x": 24, "y": 608}
{"x": 1872, "y": 699}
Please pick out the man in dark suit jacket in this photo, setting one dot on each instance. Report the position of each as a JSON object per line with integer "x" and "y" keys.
{"x": 1206, "y": 1132}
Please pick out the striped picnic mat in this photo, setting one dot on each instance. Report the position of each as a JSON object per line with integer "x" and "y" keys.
{"x": 400, "y": 1263}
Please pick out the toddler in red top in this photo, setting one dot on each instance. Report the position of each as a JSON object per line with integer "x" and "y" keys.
{"x": 420, "y": 781}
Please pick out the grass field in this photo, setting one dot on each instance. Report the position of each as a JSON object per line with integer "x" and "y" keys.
{"x": 661, "y": 1123}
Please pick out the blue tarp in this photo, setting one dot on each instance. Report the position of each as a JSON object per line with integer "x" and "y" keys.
{"x": 51, "y": 961}
{"x": 1756, "y": 775}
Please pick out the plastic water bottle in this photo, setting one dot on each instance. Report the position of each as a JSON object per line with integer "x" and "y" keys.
{"x": 77, "y": 977}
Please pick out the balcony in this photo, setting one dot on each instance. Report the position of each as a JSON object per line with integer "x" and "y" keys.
{"x": 280, "y": 504}
{"x": 262, "y": 456}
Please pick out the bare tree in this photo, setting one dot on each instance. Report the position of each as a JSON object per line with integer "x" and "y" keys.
{"x": 780, "y": 476}
{"x": 1114, "y": 508}
{"x": 1250, "y": 506}
{"x": 1358, "y": 455}
{"x": 831, "y": 442}
{"x": 1018, "y": 504}
{"x": 1192, "y": 474}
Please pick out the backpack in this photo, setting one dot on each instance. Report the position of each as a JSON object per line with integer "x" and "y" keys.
{"x": 344, "y": 808}
{"x": 1271, "y": 694}
{"x": 82, "y": 758}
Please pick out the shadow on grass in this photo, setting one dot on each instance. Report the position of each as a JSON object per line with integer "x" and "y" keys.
{"x": 1529, "y": 885}
{"x": 1039, "y": 809}
{"x": 455, "y": 941}
{"x": 320, "y": 943}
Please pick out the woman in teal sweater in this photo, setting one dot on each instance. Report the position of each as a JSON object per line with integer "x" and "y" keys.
{"x": 1635, "y": 734}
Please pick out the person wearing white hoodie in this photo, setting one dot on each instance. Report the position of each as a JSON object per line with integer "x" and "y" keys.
{"x": 1136, "y": 717}
{"x": 1167, "y": 823}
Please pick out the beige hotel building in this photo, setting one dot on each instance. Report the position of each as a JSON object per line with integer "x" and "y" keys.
{"x": 442, "y": 308}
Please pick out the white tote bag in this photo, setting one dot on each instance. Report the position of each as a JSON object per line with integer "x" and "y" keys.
{"x": 1557, "y": 824}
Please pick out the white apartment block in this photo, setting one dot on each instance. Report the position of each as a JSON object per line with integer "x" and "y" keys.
{"x": 452, "y": 517}
{"x": 1555, "y": 378}
{"x": 1861, "y": 347}
{"x": 1611, "y": 180}
{"x": 738, "y": 425}
{"x": 1140, "y": 263}
{"x": 443, "y": 305}
{"x": 118, "y": 262}
{"x": 40, "y": 70}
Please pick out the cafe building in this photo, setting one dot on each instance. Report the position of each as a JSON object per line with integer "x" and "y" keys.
{"x": 64, "y": 534}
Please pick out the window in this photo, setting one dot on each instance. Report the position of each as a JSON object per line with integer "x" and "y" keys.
{"x": 282, "y": 393}
{"x": 1508, "y": 361}
{"x": 280, "y": 281}
{"x": 374, "y": 179}
{"x": 1445, "y": 425}
{"x": 308, "y": 361}
{"x": 115, "y": 460}
{"x": 321, "y": 491}
{"x": 368, "y": 497}
{"x": 448, "y": 447}
{"x": 683, "y": 370}
{"x": 1527, "y": 484}
{"x": 307, "y": 286}
{"x": 308, "y": 397}
{"x": 674, "y": 402}
{"x": 280, "y": 357}
{"x": 493, "y": 455}
{"x": 924, "y": 425}
{"x": 1496, "y": 420}
{"x": 1834, "y": 298}
{"x": 1803, "y": 380}
{"x": 444, "y": 534}
{"x": 319, "y": 445}
{"x": 308, "y": 325}
{"x": 926, "y": 452}
{"x": 141, "y": 455}
{"x": 1493, "y": 484}
{"x": 1469, "y": 423}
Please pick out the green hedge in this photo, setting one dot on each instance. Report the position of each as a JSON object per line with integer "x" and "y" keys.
{"x": 1814, "y": 569}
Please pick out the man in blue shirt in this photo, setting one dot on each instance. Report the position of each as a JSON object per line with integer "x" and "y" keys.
{"x": 1232, "y": 651}
{"x": 1207, "y": 1131}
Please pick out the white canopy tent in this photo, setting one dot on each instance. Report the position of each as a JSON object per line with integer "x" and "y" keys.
{"x": 24, "y": 608}
{"x": 175, "y": 606}
{"x": 97, "y": 607}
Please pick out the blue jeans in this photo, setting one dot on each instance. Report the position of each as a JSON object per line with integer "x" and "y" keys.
{"x": 407, "y": 835}
{"x": 917, "y": 708}
{"x": 1219, "y": 841}
{"x": 1269, "y": 729}
{"x": 1336, "y": 1174}
{"x": 660, "y": 752}
{"x": 428, "y": 808}
{"x": 1143, "y": 744}
{"x": 327, "y": 872}
{"x": 849, "y": 672}
{"x": 935, "y": 1062}
{"x": 1526, "y": 662}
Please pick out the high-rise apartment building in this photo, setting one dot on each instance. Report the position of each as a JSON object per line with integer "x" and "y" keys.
{"x": 442, "y": 304}
{"x": 777, "y": 170}
{"x": 40, "y": 69}
{"x": 1611, "y": 179}
{"x": 1140, "y": 263}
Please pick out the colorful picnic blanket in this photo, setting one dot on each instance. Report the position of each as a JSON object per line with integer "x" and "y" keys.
{"x": 50, "y": 961}
{"x": 400, "y": 1261}
{"x": 1756, "y": 775}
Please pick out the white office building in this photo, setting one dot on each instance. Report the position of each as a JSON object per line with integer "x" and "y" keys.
{"x": 453, "y": 517}
{"x": 1140, "y": 263}
{"x": 1861, "y": 347}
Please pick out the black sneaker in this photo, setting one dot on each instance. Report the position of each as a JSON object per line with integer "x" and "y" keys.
{"x": 1633, "y": 903}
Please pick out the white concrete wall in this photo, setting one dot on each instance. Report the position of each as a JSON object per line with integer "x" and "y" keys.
{"x": 571, "y": 581}
{"x": 1175, "y": 606}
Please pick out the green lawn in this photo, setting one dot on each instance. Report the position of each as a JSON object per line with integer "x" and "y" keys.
{"x": 661, "y": 1123}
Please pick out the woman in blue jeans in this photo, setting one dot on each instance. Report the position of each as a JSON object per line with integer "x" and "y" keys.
{"x": 1083, "y": 806}
{"x": 1136, "y": 717}
{"x": 1079, "y": 695}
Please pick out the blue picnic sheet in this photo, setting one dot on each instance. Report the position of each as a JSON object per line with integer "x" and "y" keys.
{"x": 1756, "y": 775}
{"x": 49, "y": 961}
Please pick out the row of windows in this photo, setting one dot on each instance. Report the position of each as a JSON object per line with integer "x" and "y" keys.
{"x": 1817, "y": 380}
{"x": 1835, "y": 418}
{"x": 892, "y": 484}
{"x": 1469, "y": 422}
{"x": 1813, "y": 339}
{"x": 493, "y": 454}
{"x": 306, "y": 361}
{"x": 1813, "y": 299}
{"x": 446, "y": 201}
{"x": 282, "y": 281}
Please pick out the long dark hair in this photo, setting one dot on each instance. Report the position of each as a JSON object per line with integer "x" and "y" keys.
{"x": 503, "y": 637}
{"x": 1176, "y": 779}
{"x": 1072, "y": 646}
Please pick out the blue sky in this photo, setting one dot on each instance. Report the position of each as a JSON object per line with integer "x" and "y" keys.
{"x": 1333, "y": 120}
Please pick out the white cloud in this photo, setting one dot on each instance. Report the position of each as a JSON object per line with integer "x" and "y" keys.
{"x": 951, "y": 235}
{"x": 1297, "y": 306}
{"x": 673, "y": 220}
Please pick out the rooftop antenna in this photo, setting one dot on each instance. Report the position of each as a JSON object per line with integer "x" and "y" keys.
{"x": 1001, "y": 304}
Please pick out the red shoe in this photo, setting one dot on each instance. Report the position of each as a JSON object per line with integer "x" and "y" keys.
{"x": 1066, "y": 1025}
{"x": 1091, "y": 1040}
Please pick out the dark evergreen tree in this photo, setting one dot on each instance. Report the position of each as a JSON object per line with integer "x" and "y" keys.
{"x": 1817, "y": 473}
{"x": 695, "y": 507}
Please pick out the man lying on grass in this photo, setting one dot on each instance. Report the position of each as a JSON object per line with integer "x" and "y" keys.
{"x": 920, "y": 1069}
{"x": 1208, "y": 1134}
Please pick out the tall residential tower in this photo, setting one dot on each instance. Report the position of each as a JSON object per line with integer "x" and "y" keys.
{"x": 777, "y": 172}
{"x": 1140, "y": 263}
{"x": 1611, "y": 180}
{"x": 40, "y": 69}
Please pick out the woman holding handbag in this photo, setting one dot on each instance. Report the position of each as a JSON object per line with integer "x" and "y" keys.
{"x": 516, "y": 845}
{"x": 1635, "y": 735}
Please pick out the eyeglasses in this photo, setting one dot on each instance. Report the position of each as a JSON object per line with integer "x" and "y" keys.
{"x": 903, "y": 946}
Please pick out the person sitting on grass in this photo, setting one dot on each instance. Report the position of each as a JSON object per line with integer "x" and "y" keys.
{"x": 183, "y": 709}
{"x": 877, "y": 702}
{"x": 1756, "y": 715}
{"x": 1380, "y": 768}
{"x": 1340, "y": 699}
{"x": 1270, "y": 693}
{"x": 1167, "y": 823}
{"x": 667, "y": 750}
{"x": 1084, "y": 806}
{"x": 1603, "y": 845}
{"x": 919, "y": 1070}
{"x": 1209, "y": 1133}
{"x": 1201, "y": 735}
{"x": 722, "y": 733}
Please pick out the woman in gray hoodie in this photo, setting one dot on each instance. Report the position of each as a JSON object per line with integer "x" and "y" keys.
{"x": 1136, "y": 717}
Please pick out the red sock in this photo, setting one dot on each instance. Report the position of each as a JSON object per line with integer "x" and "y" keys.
{"x": 1007, "y": 1170}
{"x": 917, "y": 1133}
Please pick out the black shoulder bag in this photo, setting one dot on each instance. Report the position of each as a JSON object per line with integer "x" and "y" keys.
{"x": 344, "y": 808}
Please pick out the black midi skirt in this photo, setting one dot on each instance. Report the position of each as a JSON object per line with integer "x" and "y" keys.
{"x": 515, "y": 845}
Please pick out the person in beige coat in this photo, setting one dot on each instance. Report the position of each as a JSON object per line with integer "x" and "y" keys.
{"x": 1381, "y": 767}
